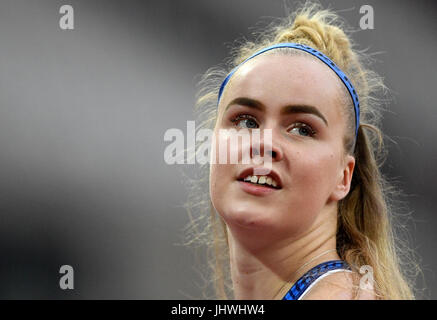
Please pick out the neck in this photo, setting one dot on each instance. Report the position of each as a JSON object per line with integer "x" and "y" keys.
{"x": 267, "y": 272}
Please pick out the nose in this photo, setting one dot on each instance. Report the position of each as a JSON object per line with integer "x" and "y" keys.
{"x": 267, "y": 148}
{"x": 275, "y": 154}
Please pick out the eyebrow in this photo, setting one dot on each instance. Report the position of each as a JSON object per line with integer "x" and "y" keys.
{"x": 288, "y": 109}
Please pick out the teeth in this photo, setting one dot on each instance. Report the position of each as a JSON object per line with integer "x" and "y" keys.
{"x": 261, "y": 180}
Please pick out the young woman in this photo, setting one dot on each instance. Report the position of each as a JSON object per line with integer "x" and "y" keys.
{"x": 317, "y": 225}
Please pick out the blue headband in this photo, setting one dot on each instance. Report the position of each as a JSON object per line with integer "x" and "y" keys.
{"x": 317, "y": 54}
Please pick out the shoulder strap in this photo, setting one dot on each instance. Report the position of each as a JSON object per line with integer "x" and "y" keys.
{"x": 310, "y": 277}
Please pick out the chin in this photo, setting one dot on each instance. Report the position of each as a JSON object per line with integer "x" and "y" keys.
{"x": 249, "y": 217}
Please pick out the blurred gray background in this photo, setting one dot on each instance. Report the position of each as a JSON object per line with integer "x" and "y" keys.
{"x": 82, "y": 118}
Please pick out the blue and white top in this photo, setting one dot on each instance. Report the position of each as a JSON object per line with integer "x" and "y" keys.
{"x": 310, "y": 278}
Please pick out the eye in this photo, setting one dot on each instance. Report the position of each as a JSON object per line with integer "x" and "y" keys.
{"x": 245, "y": 121}
{"x": 302, "y": 129}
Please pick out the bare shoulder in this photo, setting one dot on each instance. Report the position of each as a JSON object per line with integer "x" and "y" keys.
{"x": 339, "y": 286}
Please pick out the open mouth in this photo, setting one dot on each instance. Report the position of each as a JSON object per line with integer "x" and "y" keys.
{"x": 265, "y": 181}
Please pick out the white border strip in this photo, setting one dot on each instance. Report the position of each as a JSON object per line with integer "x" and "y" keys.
{"x": 320, "y": 278}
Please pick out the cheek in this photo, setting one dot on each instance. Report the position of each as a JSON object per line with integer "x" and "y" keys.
{"x": 315, "y": 171}
{"x": 215, "y": 183}
{"x": 220, "y": 176}
{"x": 312, "y": 179}
{"x": 226, "y": 152}
{"x": 310, "y": 187}
{"x": 220, "y": 170}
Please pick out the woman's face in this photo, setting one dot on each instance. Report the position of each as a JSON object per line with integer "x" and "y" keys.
{"x": 299, "y": 99}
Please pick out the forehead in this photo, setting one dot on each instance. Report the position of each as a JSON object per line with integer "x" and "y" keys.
{"x": 278, "y": 80}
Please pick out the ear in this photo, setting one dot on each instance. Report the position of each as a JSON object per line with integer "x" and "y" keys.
{"x": 344, "y": 180}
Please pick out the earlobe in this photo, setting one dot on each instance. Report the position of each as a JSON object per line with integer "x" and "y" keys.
{"x": 343, "y": 186}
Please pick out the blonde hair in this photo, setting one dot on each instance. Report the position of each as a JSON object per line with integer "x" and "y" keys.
{"x": 365, "y": 230}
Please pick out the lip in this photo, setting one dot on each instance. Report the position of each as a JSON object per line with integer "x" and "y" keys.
{"x": 256, "y": 190}
{"x": 250, "y": 171}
